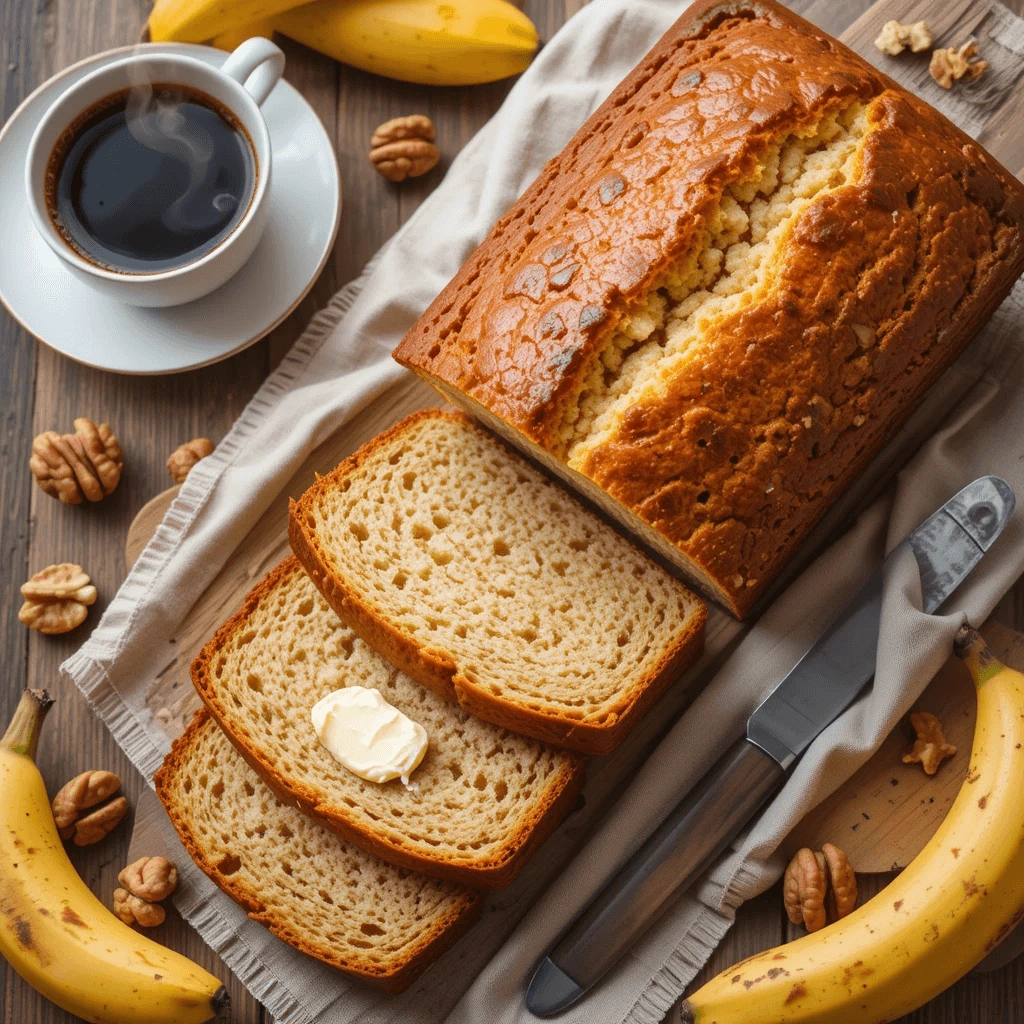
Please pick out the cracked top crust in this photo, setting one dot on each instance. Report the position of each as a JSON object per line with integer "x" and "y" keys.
{"x": 732, "y": 286}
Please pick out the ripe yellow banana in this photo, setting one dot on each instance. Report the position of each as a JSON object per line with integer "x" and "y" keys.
{"x": 462, "y": 42}
{"x": 961, "y": 895}
{"x": 195, "y": 21}
{"x": 56, "y": 934}
{"x": 233, "y": 37}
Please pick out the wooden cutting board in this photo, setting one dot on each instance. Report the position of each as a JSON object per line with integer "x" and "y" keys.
{"x": 145, "y": 523}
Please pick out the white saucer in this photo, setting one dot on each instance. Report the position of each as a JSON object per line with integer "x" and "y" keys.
{"x": 66, "y": 314}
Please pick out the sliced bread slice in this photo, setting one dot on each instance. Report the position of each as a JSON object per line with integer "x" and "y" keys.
{"x": 325, "y": 897}
{"x": 483, "y": 798}
{"x": 475, "y": 574}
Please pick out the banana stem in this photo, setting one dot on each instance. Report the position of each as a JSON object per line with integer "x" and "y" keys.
{"x": 23, "y": 733}
{"x": 970, "y": 647}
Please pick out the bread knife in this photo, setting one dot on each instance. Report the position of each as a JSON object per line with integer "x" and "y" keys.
{"x": 820, "y": 686}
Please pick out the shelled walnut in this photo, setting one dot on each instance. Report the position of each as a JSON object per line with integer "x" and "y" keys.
{"x": 57, "y": 599}
{"x": 404, "y": 147}
{"x": 150, "y": 878}
{"x": 183, "y": 458}
{"x": 895, "y": 38}
{"x": 82, "y": 793}
{"x": 930, "y": 748}
{"x": 132, "y": 910}
{"x": 73, "y": 468}
{"x": 954, "y": 65}
{"x": 144, "y": 883}
{"x": 819, "y": 888}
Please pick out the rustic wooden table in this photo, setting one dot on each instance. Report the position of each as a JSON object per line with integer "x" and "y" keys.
{"x": 41, "y": 390}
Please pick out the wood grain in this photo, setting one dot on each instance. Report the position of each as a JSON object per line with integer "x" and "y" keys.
{"x": 40, "y": 390}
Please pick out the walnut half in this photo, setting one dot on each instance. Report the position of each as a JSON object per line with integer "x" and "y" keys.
{"x": 930, "y": 748}
{"x": 150, "y": 878}
{"x": 82, "y": 794}
{"x": 404, "y": 147}
{"x": 183, "y": 458}
{"x": 85, "y": 465}
{"x": 819, "y": 888}
{"x": 952, "y": 65}
{"x": 57, "y": 599}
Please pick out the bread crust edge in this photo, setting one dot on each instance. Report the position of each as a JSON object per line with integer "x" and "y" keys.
{"x": 491, "y": 873}
{"x": 412, "y": 964}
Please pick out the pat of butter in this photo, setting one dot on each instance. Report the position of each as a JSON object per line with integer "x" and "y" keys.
{"x": 363, "y": 732}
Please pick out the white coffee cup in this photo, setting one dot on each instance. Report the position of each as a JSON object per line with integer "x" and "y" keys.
{"x": 241, "y": 85}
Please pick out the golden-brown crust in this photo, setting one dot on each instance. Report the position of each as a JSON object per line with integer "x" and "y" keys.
{"x": 920, "y": 247}
{"x": 434, "y": 668}
{"x": 405, "y": 970}
{"x": 487, "y": 871}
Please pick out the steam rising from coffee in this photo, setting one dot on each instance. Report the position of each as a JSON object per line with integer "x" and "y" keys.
{"x": 151, "y": 177}
{"x": 155, "y": 120}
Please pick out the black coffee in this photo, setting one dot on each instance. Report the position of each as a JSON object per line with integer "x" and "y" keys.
{"x": 149, "y": 179}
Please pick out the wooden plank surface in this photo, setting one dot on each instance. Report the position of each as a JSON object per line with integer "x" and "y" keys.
{"x": 41, "y": 390}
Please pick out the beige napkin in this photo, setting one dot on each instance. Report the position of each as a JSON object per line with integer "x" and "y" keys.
{"x": 340, "y": 365}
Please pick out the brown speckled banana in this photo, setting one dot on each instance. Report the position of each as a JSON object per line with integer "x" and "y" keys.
{"x": 56, "y": 934}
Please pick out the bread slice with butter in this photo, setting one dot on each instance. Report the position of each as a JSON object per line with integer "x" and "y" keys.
{"x": 481, "y": 800}
{"x": 484, "y": 580}
{"x": 322, "y": 895}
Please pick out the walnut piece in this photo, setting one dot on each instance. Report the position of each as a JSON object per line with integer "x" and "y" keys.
{"x": 133, "y": 910}
{"x": 841, "y": 896}
{"x": 57, "y": 599}
{"x": 150, "y": 878}
{"x": 803, "y": 890}
{"x": 101, "y": 822}
{"x": 952, "y": 65}
{"x": 895, "y": 38}
{"x": 74, "y": 467}
{"x": 819, "y": 888}
{"x": 930, "y": 748}
{"x": 82, "y": 792}
{"x": 404, "y": 147}
{"x": 182, "y": 459}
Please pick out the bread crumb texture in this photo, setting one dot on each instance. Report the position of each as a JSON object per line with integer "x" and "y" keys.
{"x": 738, "y": 251}
{"x": 731, "y": 287}
{"x": 463, "y": 548}
{"x": 480, "y": 793}
{"x": 317, "y": 892}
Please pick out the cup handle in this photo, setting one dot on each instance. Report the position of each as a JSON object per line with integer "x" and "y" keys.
{"x": 256, "y": 65}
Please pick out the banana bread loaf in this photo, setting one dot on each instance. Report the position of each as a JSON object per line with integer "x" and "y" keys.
{"x": 719, "y": 301}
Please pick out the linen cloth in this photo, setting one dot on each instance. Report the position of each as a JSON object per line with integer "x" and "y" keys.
{"x": 343, "y": 363}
